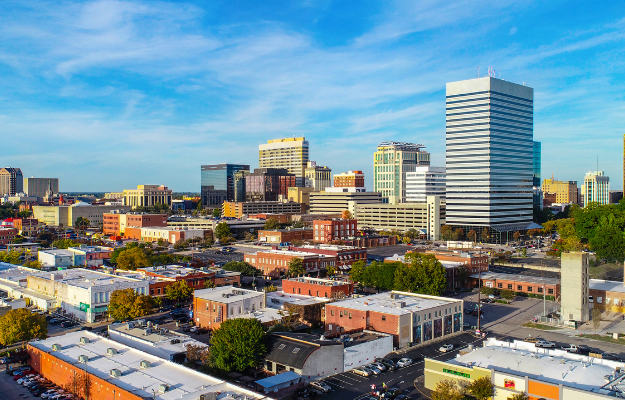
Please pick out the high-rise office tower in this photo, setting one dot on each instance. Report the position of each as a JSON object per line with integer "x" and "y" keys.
{"x": 267, "y": 184}
{"x": 425, "y": 181}
{"x": 391, "y": 162}
{"x": 489, "y": 151}
{"x": 218, "y": 183}
{"x": 538, "y": 193}
{"x": 39, "y": 186}
{"x": 562, "y": 192}
{"x": 596, "y": 188}
{"x": 289, "y": 153}
{"x": 11, "y": 181}
{"x": 317, "y": 176}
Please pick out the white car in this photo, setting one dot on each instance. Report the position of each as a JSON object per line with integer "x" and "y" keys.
{"x": 446, "y": 347}
{"x": 321, "y": 386}
{"x": 25, "y": 378}
{"x": 361, "y": 371}
{"x": 373, "y": 369}
{"x": 49, "y": 393}
{"x": 379, "y": 366}
{"x": 404, "y": 362}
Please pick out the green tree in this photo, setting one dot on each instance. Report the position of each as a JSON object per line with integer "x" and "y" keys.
{"x": 11, "y": 257}
{"x": 127, "y": 304}
{"x": 222, "y": 231}
{"x": 22, "y": 325}
{"x": 241, "y": 266}
{"x": 411, "y": 233}
{"x": 446, "y": 232}
{"x": 595, "y": 317}
{"x": 296, "y": 267}
{"x": 271, "y": 288}
{"x": 34, "y": 264}
{"x": 524, "y": 252}
{"x": 133, "y": 258}
{"x": 178, "y": 291}
{"x": 609, "y": 243}
{"x": 447, "y": 390}
{"x": 519, "y": 396}
{"x": 181, "y": 245}
{"x": 81, "y": 223}
{"x": 208, "y": 284}
{"x": 472, "y": 236}
{"x": 481, "y": 388}
{"x": 271, "y": 224}
{"x": 24, "y": 214}
{"x": 216, "y": 213}
{"x": 507, "y": 294}
{"x": 425, "y": 274}
{"x": 357, "y": 271}
{"x": 331, "y": 271}
{"x": 64, "y": 243}
{"x": 238, "y": 344}
{"x": 162, "y": 242}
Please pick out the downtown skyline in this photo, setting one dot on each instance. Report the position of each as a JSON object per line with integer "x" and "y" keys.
{"x": 108, "y": 95}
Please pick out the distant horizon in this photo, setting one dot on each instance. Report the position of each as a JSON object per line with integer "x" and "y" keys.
{"x": 116, "y": 93}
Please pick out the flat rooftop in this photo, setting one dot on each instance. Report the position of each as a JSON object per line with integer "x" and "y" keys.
{"x": 518, "y": 277}
{"x": 84, "y": 278}
{"x": 163, "y": 339}
{"x": 446, "y": 264}
{"x": 171, "y": 271}
{"x": 226, "y": 294}
{"x": 608, "y": 286}
{"x": 318, "y": 281}
{"x": 294, "y": 253}
{"x": 333, "y": 247}
{"x": 277, "y": 299}
{"x": 384, "y": 303}
{"x": 184, "y": 383}
{"x": 555, "y": 366}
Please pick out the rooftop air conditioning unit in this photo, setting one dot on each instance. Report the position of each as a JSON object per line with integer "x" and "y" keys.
{"x": 57, "y": 347}
{"x": 83, "y": 359}
{"x": 115, "y": 373}
{"x": 147, "y": 331}
{"x": 145, "y": 364}
{"x": 402, "y": 304}
{"x": 131, "y": 325}
{"x": 208, "y": 396}
{"x": 175, "y": 341}
{"x": 84, "y": 340}
{"x": 111, "y": 351}
{"x": 163, "y": 388}
{"x": 394, "y": 296}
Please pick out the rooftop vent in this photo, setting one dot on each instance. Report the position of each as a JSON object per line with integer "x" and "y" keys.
{"x": 83, "y": 359}
{"x": 175, "y": 341}
{"x": 394, "y": 296}
{"x": 131, "y": 325}
{"x": 111, "y": 351}
{"x": 57, "y": 347}
{"x": 401, "y": 304}
{"x": 208, "y": 396}
{"x": 147, "y": 331}
{"x": 84, "y": 340}
{"x": 145, "y": 364}
{"x": 115, "y": 373}
{"x": 163, "y": 388}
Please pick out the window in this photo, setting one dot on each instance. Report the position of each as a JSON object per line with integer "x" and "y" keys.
{"x": 550, "y": 291}
{"x": 296, "y": 350}
{"x": 332, "y": 313}
{"x": 500, "y": 285}
{"x": 509, "y": 286}
{"x": 350, "y": 315}
{"x": 384, "y": 318}
{"x": 540, "y": 290}
{"x": 341, "y": 314}
{"x": 529, "y": 288}
{"x": 519, "y": 288}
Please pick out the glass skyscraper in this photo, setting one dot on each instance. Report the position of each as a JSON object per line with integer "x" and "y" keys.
{"x": 218, "y": 183}
{"x": 538, "y": 194}
{"x": 489, "y": 156}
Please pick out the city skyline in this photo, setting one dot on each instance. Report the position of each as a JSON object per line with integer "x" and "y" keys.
{"x": 103, "y": 94}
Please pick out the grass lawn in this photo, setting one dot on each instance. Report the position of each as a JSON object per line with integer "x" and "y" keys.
{"x": 541, "y": 326}
{"x": 604, "y": 338}
{"x": 604, "y": 271}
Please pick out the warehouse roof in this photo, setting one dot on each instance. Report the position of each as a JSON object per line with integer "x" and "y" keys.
{"x": 396, "y": 303}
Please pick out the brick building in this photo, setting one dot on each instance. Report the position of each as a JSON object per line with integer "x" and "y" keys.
{"x": 275, "y": 263}
{"x": 233, "y": 209}
{"x": 195, "y": 278}
{"x": 326, "y": 231}
{"x": 285, "y": 235}
{"x": 121, "y": 372}
{"x": 345, "y": 255}
{"x": 317, "y": 287}
{"x": 7, "y": 235}
{"x": 26, "y": 226}
{"x": 410, "y": 318}
{"x": 354, "y": 179}
{"x": 115, "y": 223}
{"x": 549, "y": 286}
{"x": 372, "y": 241}
{"x": 606, "y": 295}
{"x": 281, "y": 218}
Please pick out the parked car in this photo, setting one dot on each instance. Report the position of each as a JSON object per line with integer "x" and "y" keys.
{"x": 389, "y": 364}
{"x": 611, "y": 356}
{"x": 446, "y": 347}
{"x": 373, "y": 370}
{"x": 391, "y": 392}
{"x": 201, "y": 331}
{"x": 583, "y": 349}
{"x": 466, "y": 325}
{"x": 468, "y": 311}
{"x": 404, "y": 362}
{"x": 361, "y": 371}
{"x": 86, "y": 328}
{"x": 321, "y": 386}
{"x": 571, "y": 348}
{"x": 380, "y": 366}
{"x": 545, "y": 344}
{"x": 531, "y": 339}
{"x": 67, "y": 324}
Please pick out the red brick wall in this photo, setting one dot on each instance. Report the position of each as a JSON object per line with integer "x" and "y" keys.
{"x": 328, "y": 228}
{"x": 132, "y": 233}
{"x": 110, "y": 224}
{"x": 203, "y": 314}
{"x": 275, "y": 264}
{"x": 59, "y": 372}
{"x": 7, "y": 235}
{"x": 146, "y": 220}
{"x": 288, "y": 236}
{"x": 311, "y": 289}
{"x": 524, "y": 286}
{"x": 379, "y": 322}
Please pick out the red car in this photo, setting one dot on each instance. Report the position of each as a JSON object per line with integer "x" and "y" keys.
{"x": 21, "y": 375}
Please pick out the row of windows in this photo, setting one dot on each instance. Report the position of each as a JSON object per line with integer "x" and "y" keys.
{"x": 519, "y": 288}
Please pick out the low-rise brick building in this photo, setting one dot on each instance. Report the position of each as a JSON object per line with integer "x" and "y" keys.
{"x": 170, "y": 235}
{"x": 330, "y": 230}
{"x": 275, "y": 263}
{"x": 345, "y": 255}
{"x": 410, "y": 318}
{"x": 535, "y": 285}
{"x": 606, "y": 295}
{"x": 317, "y": 287}
{"x": 7, "y": 235}
{"x": 27, "y": 226}
{"x": 372, "y": 241}
{"x": 285, "y": 235}
{"x": 115, "y": 223}
{"x": 195, "y": 278}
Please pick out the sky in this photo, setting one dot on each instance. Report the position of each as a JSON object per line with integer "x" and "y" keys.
{"x": 107, "y": 95}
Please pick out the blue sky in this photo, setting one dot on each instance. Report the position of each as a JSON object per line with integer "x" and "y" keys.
{"x": 107, "y": 95}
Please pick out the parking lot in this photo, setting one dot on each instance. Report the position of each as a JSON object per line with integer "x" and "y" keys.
{"x": 206, "y": 255}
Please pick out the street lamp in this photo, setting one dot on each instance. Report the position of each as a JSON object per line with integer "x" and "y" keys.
{"x": 544, "y": 303}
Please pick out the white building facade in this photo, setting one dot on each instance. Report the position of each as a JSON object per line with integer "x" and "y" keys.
{"x": 596, "y": 188}
{"x": 425, "y": 181}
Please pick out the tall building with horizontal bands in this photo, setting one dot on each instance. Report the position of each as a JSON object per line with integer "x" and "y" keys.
{"x": 596, "y": 188}
{"x": 489, "y": 155}
{"x": 425, "y": 181}
{"x": 391, "y": 162}
{"x": 11, "y": 181}
{"x": 289, "y": 153}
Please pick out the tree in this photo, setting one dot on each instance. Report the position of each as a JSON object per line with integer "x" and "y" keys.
{"x": 132, "y": 259}
{"x": 271, "y": 288}
{"x": 222, "y": 231}
{"x": 181, "y": 245}
{"x": 238, "y": 344}
{"x": 11, "y": 257}
{"x": 81, "y": 223}
{"x": 507, "y": 294}
{"x": 296, "y": 267}
{"x": 458, "y": 234}
{"x": 595, "y": 316}
{"x": 485, "y": 235}
{"x": 178, "y": 291}
{"x": 22, "y": 325}
{"x": 447, "y": 390}
{"x": 24, "y": 214}
{"x": 271, "y": 224}
{"x": 80, "y": 384}
{"x": 446, "y": 232}
{"x": 358, "y": 270}
{"x": 216, "y": 213}
{"x": 516, "y": 236}
{"x": 208, "y": 284}
{"x": 198, "y": 353}
{"x": 425, "y": 274}
{"x": 241, "y": 266}
{"x": 462, "y": 275}
{"x": 127, "y": 304}
{"x": 481, "y": 388}
{"x": 64, "y": 243}
{"x": 162, "y": 242}
{"x": 472, "y": 236}
{"x": 345, "y": 214}
{"x": 34, "y": 264}
{"x": 331, "y": 271}
{"x": 519, "y": 396}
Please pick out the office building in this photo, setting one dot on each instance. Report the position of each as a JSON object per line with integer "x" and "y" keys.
{"x": 520, "y": 368}
{"x": 240, "y": 178}
{"x": 267, "y": 184}
{"x": 300, "y": 195}
{"x": 337, "y": 202}
{"x": 330, "y": 230}
{"x": 38, "y": 187}
{"x": 11, "y": 181}
{"x": 219, "y": 182}
{"x": 7, "y": 235}
{"x": 596, "y": 188}
{"x": 489, "y": 155}
{"x": 409, "y": 317}
{"x": 391, "y": 162}
{"x": 616, "y": 196}
{"x": 425, "y": 181}
{"x": 317, "y": 176}
{"x": 427, "y": 217}
{"x": 289, "y": 153}
{"x": 350, "y": 179}
{"x": 147, "y": 196}
{"x": 237, "y": 210}
{"x": 565, "y": 191}
{"x": 67, "y": 215}
{"x": 289, "y": 235}
{"x": 119, "y": 371}
{"x": 115, "y": 223}
{"x": 575, "y": 287}
{"x": 537, "y": 192}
